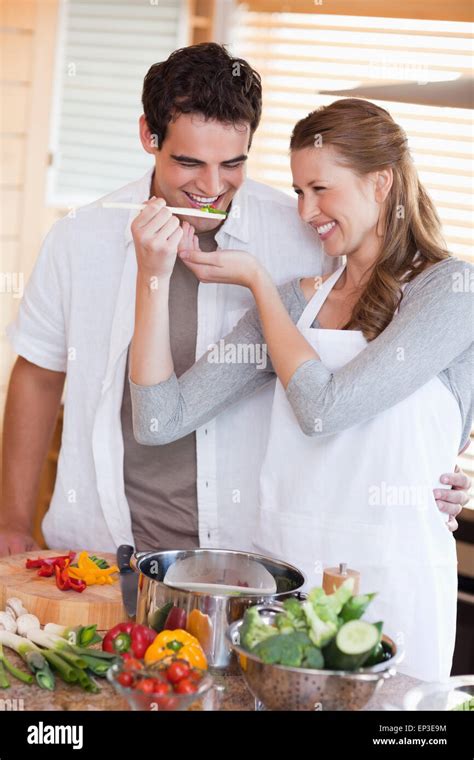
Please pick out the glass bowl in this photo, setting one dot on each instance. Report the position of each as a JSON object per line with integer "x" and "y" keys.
{"x": 154, "y": 702}
{"x": 455, "y": 694}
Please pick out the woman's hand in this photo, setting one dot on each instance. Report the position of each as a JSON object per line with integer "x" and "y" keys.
{"x": 236, "y": 267}
{"x": 156, "y": 234}
{"x": 452, "y": 500}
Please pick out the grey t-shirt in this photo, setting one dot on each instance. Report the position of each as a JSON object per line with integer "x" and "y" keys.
{"x": 160, "y": 482}
{"x": 434, "y": 325}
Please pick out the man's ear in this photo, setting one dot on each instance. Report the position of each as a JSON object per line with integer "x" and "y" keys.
{"x": 148, "y": 139}
{"x": 383, "y": 183}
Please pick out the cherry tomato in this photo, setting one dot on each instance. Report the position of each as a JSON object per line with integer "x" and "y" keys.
{"x": 167, "y": 703}
{"x": 146, "y": 685}
{"x": 161, "y": 687}
{"x": 195, "y": 675}
{"x": 125, "y": 679}
{"x": 131, "y": 663}
{"x": 177, "y": 670}
{"x": 185, "y": 686}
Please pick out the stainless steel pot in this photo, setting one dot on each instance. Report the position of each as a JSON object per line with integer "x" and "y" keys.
{"x": 206, "y": 616}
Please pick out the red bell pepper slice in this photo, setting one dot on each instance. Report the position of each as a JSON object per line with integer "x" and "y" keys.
{"x": 46, "y": 571}
{"x": 62, "y": 561}
{"x": 77, "y": 584}
{"x": 63, "y": 581}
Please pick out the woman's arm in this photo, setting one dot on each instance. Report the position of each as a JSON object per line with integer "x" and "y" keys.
{"x": 165, "y": 408}
{"x": 287, "y": 347}
{"x": 169, "y": 410}
{"x": 432, "y": 329}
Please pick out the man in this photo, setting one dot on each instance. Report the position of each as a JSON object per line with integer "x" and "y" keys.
{"x": 201, "y": 109}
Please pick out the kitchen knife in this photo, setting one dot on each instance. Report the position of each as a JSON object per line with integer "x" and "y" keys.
{"x": 128, "y": 579}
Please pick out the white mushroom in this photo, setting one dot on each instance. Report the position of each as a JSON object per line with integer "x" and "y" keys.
{"x": 26, "y": 623}
{"x": 7, "y": 622}
{"x": 15, "y": 607}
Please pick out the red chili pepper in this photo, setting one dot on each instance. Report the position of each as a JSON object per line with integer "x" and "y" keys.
{"x": 129, "y": 637}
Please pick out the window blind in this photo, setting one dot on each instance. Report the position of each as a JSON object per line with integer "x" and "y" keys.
{"x": 105, "y": 49}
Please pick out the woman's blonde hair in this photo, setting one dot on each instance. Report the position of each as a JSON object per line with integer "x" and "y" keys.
{"x": 366, "y": 139}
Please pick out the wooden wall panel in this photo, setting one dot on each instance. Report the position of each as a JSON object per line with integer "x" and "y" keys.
{"x": 12, "y": 157}
{"x": 460, "y": 10}
{"x": 15, "y": 60}
{"x": 18, "y": 14}
{"x": 14, "y": 100}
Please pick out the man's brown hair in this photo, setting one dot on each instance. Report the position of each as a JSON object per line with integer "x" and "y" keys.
{"x": 203, "y": 79}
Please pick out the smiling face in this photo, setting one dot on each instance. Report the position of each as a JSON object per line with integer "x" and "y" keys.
{"x": 340, "y": 205}
{"x": 200, "y": 163}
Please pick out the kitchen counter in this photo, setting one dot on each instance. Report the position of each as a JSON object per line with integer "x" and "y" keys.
{"x": 231, "y": 694}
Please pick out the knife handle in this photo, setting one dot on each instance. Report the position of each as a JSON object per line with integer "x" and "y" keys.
{"x": 124, "y": 553}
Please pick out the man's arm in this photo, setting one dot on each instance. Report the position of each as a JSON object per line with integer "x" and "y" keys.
{"x": 33, "y": 399}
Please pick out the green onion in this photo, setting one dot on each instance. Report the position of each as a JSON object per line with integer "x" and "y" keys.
{"x": 81, "y": 635}
{"x": 97, "y": 654}
{"x": 98, "y": 666}
{"x": 4, "y": 682}
{"x": 66, "y": 671}
{"x": 31, "y": 654}
{"x": 15, "y": 672}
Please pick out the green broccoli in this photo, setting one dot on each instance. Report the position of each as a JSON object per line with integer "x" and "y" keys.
{"x": 283, "y": 649}
{"x": 293, "y": 618}
{"x": 313, "y": 658}
{"x": 254, "y": 629}
{"x": 322, "y": 610}
{"x": 328, "y": 606}
{"x": 320, "y": 631}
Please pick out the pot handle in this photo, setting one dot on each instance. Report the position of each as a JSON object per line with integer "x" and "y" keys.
{"x": 135, "y": 558}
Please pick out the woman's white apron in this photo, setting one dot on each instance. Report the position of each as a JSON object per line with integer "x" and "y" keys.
{"x": 365, "y": 497}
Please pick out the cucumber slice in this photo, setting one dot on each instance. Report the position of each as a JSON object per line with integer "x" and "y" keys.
{"x": 352, "y": 645}
{"x": 378, "y": 653}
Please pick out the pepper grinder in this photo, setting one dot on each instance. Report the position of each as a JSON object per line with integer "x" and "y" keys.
{"x": 333, "y": 577}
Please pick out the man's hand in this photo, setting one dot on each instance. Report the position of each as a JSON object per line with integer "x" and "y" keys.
{"x": 229, "y": 267}
{"x": 156, "y": 234}
{"x": 452, "y": 500}
{"x": 15, "y": 542}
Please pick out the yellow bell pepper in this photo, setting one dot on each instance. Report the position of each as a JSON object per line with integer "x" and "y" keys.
{"x": 177, "y": 644}
{"x": 90, "y": 573}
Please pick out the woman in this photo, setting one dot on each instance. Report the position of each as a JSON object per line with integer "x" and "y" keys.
{"x": 374, "y": 380}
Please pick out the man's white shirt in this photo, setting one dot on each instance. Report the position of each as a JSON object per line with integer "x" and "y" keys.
{"x": 77, "y": 316}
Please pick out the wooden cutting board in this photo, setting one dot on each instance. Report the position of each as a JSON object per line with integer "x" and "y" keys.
{"x": 97, "y": 604}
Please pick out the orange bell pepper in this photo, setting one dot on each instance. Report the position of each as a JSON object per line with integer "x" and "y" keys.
{"x": 200, "y": 626}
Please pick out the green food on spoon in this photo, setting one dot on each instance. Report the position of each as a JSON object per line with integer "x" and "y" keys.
{"x": 212, "y": 210}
